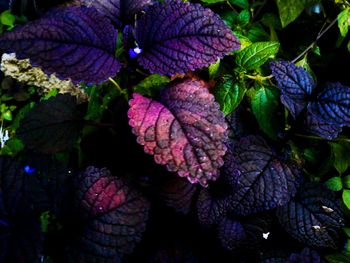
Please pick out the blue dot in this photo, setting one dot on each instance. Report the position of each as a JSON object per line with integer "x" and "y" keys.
{"x": 29, "y": 170}
{"x": 134, "y": 52}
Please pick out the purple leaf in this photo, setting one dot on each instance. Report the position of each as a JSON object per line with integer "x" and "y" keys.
{"x": 306, "y": 256}
{"x": 332, "y": 105}
{"x": 117, "y": 10}
{"x": 114, "y": 213}
{"x": 321, "y": 128}
{"x": 74, "y": 42}
{"x": 295, "y": 83}
{"x": 186, "y": 132}
{"x": 314, "y": 217}
{"x": 178, "y": 194}
{"x": 264, "y": 181}
{"x": 176, "y": 37}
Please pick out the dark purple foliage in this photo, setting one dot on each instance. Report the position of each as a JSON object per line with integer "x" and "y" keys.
{"x": 313, "y": 217}
{"x": 174, "y": 255}
{"x": 261, "y": 180}
{"x": 187, "y": 137}
{"x": 332, "y": 104}
{"x": 306, "y": 256}
{"x": 321, "y": 128}
{"x": 116, "y": 10}
{"x": 296, "y": 85}
{"x": 114, "y": 213}
{"x": 74, "y": 42}
{"x": 176, "y": 37}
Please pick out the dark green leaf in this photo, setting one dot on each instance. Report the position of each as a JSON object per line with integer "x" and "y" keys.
{"x": 289, "y": 10}
{"x": 341, "y": 155}
{"x": 256, "y": 54}
{"x": 343, "y": 257}
{"x": 52, "y": 125}
{"x": 12, "y": 147}
{"x": 334, "y": 183}
{"x": 229, "y": 93}
{"x": 151, "y": 85}
{"x": 210, "y": 2}
{"x": 346, "y": 198}
{"x": 347, "y": 231}
{"x": 264, "y": 103}
{"x": 240, "y": 3}
{"x": 346, "y": 181}
{"x": 257, "y": 33}
{"x": 244, "y": 17}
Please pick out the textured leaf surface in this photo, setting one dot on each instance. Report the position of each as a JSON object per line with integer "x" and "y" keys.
{"x": 295, "y": 83}
{"x": 332, "y": 105}
{"x": 313, "y": 217}
{"x": 176, "y": 37}
{"x": 52, "y": 125}
{"x": 264, "y": 181}
{"x": 256, "y": 54}
{"x": 115, "y": 216}
{"x": 186, "y": 132}
{"x": 151, "y": 85}
{"x": 117, "y": 10}
{"x": 74, "y": 42}
{"x": 306, "y": 256}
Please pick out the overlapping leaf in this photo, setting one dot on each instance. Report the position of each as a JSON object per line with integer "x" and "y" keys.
{"x": 176, "y": 37}
{"x": 115, "y": 216}
{"x": 295, "y": 83}
{"x": 313, "y": 217}
{"x": 321, "y": 128}
{"x": 264, "y": 181}
{"x": 306, "y": 256}
{"x": 75, "y": 42}
{"x": 186, "y": 131}
{"x": 116, "y": 10}
{"x": 52, "y": 125}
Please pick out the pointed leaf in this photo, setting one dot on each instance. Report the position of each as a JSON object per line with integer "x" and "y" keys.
{"x": 52, "y": 125}
{"x": 314, "y": 217}
{"x": 176, "y": 37}
{"x": 256, "y": 54}
{"x": 264, "y": 181}
{"x": 74, "y": 42}
{"x": 332, "y": 105}
{"x": 186, "y": 132}
{"x": 295, "y": 83}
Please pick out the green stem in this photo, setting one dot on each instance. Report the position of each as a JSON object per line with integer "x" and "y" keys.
{"x": 259, "y": 77}
{"x": 116, "y": 85}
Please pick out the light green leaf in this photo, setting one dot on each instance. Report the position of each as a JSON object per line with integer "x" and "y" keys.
{"x": 289, "y": 10}
{"x": 346, "y": 181}
{"x": 256, "y": 54}
{"x": 341, "y": 155}
{"x": 213, "y": 69}
{"x": 344, "y": 22}
{"x": 240, "y": 3}
{"x": 151, "y": 85}
{"x": 264, "y": 104}
{"x": 334, "y": 183}
{"x": 346, "y": 198}
{"x": 7, "y": 19}
{"x": 229, "y": 94}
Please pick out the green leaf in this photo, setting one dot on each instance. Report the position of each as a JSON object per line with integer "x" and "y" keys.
{"x": 7, "y": 19}
{"x": 341, "y": 155}
{"x": 151, "y": 85}
{"x": 348, "y": 46}
{"x": 344, "y": 22}
{"x": 347, "y": 231}
{"x": 12, "y": 147}
{"x": 45, "y": 221}
{"x": 289, "y": 10}
{"x": 334, "y": 183}
{"x": 257, "y": 33}
{"x": 256, "y": 54}
{"x": 346, "y": 198}
{"x": 210, "y": 2}
{"x": 214, "y": 69}
{"x": 243, "y": 17}
{"x": 240, "y": 3}
{"x": 343, "y": 257}
{"x": 264, "y": 104}
{"x": 229, "y": 93}
{"x": 346, "y": 181}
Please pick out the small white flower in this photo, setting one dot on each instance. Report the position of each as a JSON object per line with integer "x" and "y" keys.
{"x": 4, "y": 136}
{"x": 266, "y": 235}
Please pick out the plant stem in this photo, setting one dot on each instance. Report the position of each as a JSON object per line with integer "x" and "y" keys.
{"x": 259, "y": 77}
{"x": 116, "y": 85}
{"x": 319, "y": 35}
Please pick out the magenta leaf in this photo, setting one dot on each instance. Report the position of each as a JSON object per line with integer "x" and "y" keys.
{"x": 115, "y": 216}
{"x": 186, "y": 132}
{"x": 175, "y": 37}
{"x": 74, "y": 42}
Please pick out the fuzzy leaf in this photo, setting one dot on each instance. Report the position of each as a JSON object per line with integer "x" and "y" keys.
{"x": 74, "y": 42}
{"x": 185, "y": 136}
{"x": 264, "y": 181}
{"x": 295, "y": 83}
{"x": 332, "y": 105}
{"x": 256, "y": 54}
{"x": 118, "y": 10}
{"x": 229, "y": 94}
{"x": 314, "y": 217}
{"x": 52, "y": 125}
{"x": 176, "y": 37}
{"x": 115, "y": 216}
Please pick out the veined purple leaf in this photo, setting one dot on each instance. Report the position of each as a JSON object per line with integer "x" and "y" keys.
{"x": 264, "y": 181}
{"x": 295, "y": 83}
{"x": 186, "y": 132}
{"x": 176, "y": 37}
{"x": 306, "y": 256}
{"x": 321, "y": 128}
{"x": 73, "y": 42}
{"x": 314, "y": 217}
{"x": 117, "y": 10}
{"x": 115, "y": 216}
{"x": 332, "y": 105}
